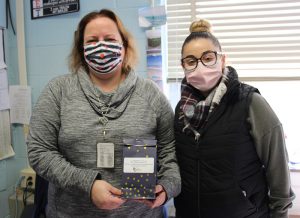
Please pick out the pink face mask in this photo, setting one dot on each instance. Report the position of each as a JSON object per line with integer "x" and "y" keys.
{"x": 204, "y": 78}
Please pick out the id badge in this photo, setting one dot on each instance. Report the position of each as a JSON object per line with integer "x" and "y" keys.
{"x": 105, "y": 155}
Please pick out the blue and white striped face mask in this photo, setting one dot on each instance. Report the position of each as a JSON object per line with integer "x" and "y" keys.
{"x": 103, "y": 57}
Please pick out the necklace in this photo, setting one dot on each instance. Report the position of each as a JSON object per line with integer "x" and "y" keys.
{"x": 103, "y": 120}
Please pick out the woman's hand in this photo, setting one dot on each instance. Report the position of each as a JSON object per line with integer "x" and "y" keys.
{"x": 105, "y": 196}
{"x": 161, "y": 197}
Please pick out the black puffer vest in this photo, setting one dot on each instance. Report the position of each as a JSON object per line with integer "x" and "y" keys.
{"x": 222, "y": 176}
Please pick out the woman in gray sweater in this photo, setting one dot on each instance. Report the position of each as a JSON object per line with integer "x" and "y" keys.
{"x": 80, "y": 120}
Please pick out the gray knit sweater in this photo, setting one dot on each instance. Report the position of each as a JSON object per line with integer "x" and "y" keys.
{"x": 65, "y": 129}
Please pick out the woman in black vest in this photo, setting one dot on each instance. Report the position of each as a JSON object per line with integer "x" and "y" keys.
{"x": 229, "y": 142}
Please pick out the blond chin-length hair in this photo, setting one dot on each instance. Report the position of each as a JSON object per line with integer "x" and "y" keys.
{"x": 76, "y": 58}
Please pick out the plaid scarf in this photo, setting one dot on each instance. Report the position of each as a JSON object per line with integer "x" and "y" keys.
{"x": 195, "y": 109}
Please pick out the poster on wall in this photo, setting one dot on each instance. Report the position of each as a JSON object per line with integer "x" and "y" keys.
{"x": 154, "y": 57}
{"x": 154, "y": 69}
{"x": 46, "y": 8}
{"x": 152, "y": 16}
{"x": 153, "y": 42}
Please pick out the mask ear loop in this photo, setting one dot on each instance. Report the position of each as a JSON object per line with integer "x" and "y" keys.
{"x": 223, "y": 59}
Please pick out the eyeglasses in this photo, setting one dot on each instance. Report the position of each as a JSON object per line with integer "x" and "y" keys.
{"x": 208, "y": 58}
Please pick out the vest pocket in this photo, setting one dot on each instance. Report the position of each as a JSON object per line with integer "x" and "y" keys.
{"x": 232, "y": 202}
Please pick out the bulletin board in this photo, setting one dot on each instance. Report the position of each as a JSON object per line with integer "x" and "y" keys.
{"x": 46, "y": 8}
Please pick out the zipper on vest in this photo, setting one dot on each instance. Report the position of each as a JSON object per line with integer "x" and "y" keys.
{"x": 198, "y": 188}
{"x": 197, "y": 136}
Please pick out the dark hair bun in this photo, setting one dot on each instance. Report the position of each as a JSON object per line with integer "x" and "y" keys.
{"x": 200, "y": 26}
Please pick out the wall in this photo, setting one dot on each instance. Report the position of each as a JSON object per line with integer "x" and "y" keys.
{"x": 48, "y": 43}
{"x": 12, "y": 166}
{"x": 49, "y": 40}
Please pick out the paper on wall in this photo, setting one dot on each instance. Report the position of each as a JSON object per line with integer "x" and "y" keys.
{"x": 6, "y": 149}
{"x": 2, "y": 63}
{"x": 20, "y": 104}
{"x": 2, "y": 178}
{"x": 4, "y": 99}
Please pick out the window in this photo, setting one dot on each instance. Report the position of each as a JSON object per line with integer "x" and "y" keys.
{"x": 281, "y": 96}
{"x": 261, "y": 40}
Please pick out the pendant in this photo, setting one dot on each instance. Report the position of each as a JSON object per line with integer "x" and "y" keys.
{"x": 105, "y": 131}
{"x": 103, "y": 120}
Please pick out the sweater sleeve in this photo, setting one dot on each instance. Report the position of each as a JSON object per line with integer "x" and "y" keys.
{"x": 43, "y": 149}
{"x": 268, "y": 136}
{"x": 168, "y": 171}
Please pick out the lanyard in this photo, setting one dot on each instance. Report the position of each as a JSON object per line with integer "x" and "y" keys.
{"x": 103, "y": 120}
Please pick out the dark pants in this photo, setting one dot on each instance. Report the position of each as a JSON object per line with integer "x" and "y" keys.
{"x": 40, "y": 197}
